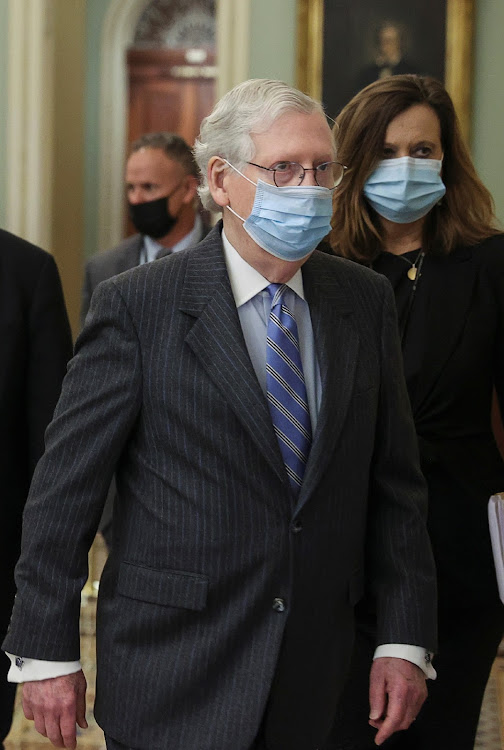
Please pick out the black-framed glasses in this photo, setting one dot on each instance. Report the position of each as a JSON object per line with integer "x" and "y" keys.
{"x": 287, "y": 173}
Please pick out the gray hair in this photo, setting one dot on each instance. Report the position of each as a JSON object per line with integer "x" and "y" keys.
{"x": 251, "y": 107}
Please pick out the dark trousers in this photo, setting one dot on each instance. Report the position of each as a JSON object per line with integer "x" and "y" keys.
{"x": 468, "y": 642}
{"x": 114, "y": 745}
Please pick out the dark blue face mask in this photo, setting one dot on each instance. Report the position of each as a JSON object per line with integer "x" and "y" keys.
{"x": 288, "y": 222}
{"x": 404, "y": 190}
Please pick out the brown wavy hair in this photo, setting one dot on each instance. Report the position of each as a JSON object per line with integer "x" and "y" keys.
{"x": 465, "y": 215}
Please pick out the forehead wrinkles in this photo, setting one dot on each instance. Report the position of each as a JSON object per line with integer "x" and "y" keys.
{"x": 296, "y": 137}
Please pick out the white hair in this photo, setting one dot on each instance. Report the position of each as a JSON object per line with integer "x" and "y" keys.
{"x": 251, "y": 107}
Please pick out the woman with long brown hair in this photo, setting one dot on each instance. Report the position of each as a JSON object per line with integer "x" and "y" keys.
{"x": 414, "y": 209}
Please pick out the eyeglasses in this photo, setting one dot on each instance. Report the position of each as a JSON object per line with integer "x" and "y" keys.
{"x": 285, "y": 173}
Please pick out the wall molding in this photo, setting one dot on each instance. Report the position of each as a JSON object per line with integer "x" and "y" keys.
{"x": 117, "y": 33}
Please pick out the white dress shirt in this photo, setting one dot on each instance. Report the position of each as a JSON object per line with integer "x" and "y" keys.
{"x": 151, "y": 246}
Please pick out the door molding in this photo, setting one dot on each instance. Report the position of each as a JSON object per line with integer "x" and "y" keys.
{"x": 232, "y": 19}
{"x": 118, "y": 28}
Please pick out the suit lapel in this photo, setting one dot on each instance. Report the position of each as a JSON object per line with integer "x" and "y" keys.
{"x": 449, "y": 295}
{"x": 217, "y": 341}
{"x": 337, "y": 345}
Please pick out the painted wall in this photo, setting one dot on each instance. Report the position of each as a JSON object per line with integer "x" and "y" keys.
{"x": 68, "y": 162}
{"x": 272, "y": 40}
{"x": 488, "y": 99}
{"x": 96, "y": 11}
{"x": 4, "y": 17}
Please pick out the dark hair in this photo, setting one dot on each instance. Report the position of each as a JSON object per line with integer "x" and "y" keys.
{"x": 465, "y": 215}
{"x": 173, "y": 145}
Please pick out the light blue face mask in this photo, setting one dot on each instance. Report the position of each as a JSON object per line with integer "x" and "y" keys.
{"x": 288, "y": 222}
{"x": 405, "y": 189}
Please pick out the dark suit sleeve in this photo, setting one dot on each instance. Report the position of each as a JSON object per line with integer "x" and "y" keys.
{"x": 98, "y": 406}
{"x": 399, "y": 558}
{"x": 34, "y": 349}
{"x": 50, "y": 348}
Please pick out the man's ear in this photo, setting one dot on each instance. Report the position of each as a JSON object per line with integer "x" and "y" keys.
{"x": 190, "y": 188}
{"x": 217, "y": 171}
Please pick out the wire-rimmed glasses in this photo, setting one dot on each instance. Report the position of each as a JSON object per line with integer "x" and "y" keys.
{"x": 287, "y": 173}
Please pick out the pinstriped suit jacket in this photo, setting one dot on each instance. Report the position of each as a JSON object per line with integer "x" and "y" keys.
{"x": 192, "y": 653}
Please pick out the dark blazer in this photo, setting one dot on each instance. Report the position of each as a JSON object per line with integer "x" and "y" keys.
{"x": 463, "y": 361}
{"x": 100, "y": 267}
{"x": 121, "y": 258}
{"x": 103, "y": 266}
{"x": 35, "y": 345}
{"x": 223, "y": 602}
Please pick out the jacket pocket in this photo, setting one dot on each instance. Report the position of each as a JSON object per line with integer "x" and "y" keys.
{"x": 171, "y": 588}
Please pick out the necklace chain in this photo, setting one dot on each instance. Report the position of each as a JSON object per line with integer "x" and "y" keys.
{"x": 414, "y": 269}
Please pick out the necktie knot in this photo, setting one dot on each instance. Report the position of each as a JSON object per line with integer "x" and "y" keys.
{"x": 276, "y": 292}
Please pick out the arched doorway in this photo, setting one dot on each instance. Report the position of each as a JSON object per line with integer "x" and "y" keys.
{"x": 117, "y": 34}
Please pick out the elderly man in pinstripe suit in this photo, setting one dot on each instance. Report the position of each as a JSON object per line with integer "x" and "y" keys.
{"x": 225, "y": 615}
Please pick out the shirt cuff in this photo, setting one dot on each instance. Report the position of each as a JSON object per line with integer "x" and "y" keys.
{"x": 415, "y": 654}
{"x": 30, "y": 670}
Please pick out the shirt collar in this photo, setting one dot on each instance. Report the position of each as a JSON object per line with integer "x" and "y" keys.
{"x": 152, "y": 246}
{"x": 246, "y": 282}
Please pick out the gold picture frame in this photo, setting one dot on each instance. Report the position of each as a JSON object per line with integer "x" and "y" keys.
{"x": 458, "y": 53}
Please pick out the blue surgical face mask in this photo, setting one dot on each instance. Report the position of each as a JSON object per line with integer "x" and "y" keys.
{"x": 405, "y": 189}
{"x": 288, "y": 222}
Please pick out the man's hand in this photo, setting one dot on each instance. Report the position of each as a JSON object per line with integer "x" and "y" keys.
{"x": 397, "y": 691}
{"x": 55, "y": 706}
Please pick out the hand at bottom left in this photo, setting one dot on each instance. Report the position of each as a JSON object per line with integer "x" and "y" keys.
{"x": 56, "y": 706}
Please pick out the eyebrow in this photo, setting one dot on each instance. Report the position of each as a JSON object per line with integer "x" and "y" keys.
{"x": 142, "y": 184}
{"x": 422, "y": 141}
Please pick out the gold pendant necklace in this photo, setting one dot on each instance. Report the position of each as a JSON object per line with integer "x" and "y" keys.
{"x": 413, "y": 271}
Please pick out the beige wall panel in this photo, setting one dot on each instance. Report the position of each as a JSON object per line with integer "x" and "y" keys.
{"x": 68, "y": 159}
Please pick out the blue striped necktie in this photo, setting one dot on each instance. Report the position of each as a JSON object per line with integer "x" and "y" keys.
{"x": 286, "y": 389}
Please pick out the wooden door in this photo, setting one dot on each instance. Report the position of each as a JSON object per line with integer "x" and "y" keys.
{"x": 170, "y": 89}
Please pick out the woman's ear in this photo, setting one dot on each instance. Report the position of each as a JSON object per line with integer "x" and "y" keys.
{"x": 217, "y": 171}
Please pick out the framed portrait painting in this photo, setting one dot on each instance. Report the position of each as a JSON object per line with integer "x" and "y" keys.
{"x": 345, "y": 44}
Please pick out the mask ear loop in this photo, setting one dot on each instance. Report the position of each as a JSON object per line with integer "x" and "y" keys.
{"x": 237, "y": 215}
{"x": 246, "y": 178}
{"x": 240, "y": 173}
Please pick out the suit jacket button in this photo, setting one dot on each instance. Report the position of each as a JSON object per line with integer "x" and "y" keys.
{"x": 296, "y": 526}
{"x": 279, "y": 605}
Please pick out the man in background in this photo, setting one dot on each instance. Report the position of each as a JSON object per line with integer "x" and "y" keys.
{"x": 35, "y": 345}
{"x": 161, "y": 189}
